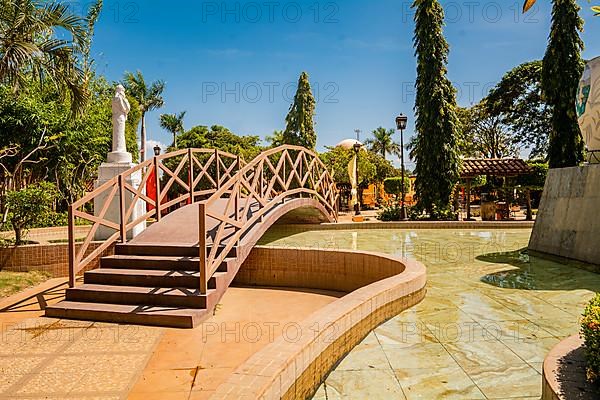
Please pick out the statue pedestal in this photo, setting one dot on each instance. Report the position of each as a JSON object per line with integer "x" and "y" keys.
{"x": 106, "y": 172}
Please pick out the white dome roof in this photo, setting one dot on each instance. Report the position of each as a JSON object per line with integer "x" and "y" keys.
{"x": 348, "y": 144}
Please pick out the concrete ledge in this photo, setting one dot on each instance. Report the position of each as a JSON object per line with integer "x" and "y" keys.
{"x": 294, "y": 369}
{"x": 564, "y": 373}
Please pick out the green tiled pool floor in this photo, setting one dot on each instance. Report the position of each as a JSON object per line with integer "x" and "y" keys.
{"x": 490, "y": 316}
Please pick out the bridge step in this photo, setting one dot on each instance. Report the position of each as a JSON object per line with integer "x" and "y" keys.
{"x": 162, "y": 250}
{"x": 174, "y": 317}
{"x": 135, "y": 295}
{"x": 151, "y": 262}
{"x": 143, "y": 278}
{"x": 155, "y": 250}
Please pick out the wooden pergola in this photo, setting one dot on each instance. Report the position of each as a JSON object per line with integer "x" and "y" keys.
{"x": 502, "y": 167}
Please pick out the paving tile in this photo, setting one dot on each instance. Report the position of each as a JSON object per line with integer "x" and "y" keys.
{"x": 56, "y": 383}
{"x": 482, "y": 353}
{"x": 373, "y": 384}
{"x": 418, "y": 356}
{"x": 449, "y": 382}
{"x": 159, "y": 381}
{"x": 517, "y": 381}
{"x": 532, "y": 350}
{"x": 364, "y": 357}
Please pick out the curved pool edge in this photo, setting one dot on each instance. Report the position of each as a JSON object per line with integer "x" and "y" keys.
{"x": 564, "y": 372}
{"x": 293, "y": 366}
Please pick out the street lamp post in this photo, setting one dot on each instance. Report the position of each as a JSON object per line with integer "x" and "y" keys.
{"x": 401, "y": 122}
{"x": 357, "y": 146}
{"x": 157, "y": 150}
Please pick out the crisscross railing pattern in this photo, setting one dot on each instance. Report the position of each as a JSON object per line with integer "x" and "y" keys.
{"x": 273, "y": 177}
{"x": 182, "y": 177}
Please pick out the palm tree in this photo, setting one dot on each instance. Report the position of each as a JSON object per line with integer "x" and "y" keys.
{"x": 383, "y": 143}
{"x": 173, "y": 123}
{"x": 148, "y": 97}
{"x": 529, "y": 3}
{"x": 33, "y": 44}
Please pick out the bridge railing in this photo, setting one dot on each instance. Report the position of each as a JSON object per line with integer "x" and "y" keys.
{"x": 181, "y": 177}
{"x": 271, "y": 178}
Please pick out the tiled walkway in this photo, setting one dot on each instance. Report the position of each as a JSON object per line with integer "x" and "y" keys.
{"x": 483, "y": 330}
{"x": 43, "y": 358}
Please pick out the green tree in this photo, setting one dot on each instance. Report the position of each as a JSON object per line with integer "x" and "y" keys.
{"x": 393, "y": 185}
{"x": 337, "y": 160}
{"x": 47, "y": 41}
{"x": 484, "y": 135}
{"x": 300, "y": 130}
{"x": 30, "y": 205}
{"x": 535, "y": 180}
{"x": 276, "y": 139}
{"x": 383, "y": 143}
{"x": 436, "y": 145}
{"x": 561, "y": 71}
{"x": 174, "y": 124}
{"x": 148, "y": 98}
{"x": 518, "y": 100}
{"x": 218, "y": 137}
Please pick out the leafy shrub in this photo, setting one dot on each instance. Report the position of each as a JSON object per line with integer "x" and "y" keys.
{"x": 590, "y": 332}
{"x": 418, "y": 214}
{"x": 29, "y": 206}
{"x": 392, "y": 211}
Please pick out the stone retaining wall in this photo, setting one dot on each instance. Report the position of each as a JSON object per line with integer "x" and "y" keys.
{"x": 50, "y": 258}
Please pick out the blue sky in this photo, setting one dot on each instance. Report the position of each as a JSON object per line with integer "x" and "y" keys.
{"x": 236, "y": 63}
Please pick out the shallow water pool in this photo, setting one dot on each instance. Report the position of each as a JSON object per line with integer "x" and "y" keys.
{"x": 490, "y": 316}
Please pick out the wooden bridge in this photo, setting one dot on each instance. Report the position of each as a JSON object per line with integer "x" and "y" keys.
{"x": 210, "y": 209}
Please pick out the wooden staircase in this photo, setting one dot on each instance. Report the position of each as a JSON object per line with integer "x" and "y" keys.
{"x": 147, "y": 285}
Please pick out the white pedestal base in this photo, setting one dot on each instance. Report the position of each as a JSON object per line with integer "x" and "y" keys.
{"x": 106, "y": 172}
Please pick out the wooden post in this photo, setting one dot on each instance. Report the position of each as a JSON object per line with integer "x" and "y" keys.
{"x": 218, "y": 162}
{"x": 72, "y": 251}
{"x": 191, "y": 174}
{"x": 157, "y": 181}
{"x": 123, "y": 225}
{"x": 202, "y": 247}
{"x": 237, "y": 200}
{"x": 261, "y": 184}
{"x": 238, "y": 191}
{"x": 468, "y": 199}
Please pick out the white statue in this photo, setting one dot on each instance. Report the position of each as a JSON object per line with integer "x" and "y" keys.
{"x": 588, "y": 105}
{"x": 120, "y": 109}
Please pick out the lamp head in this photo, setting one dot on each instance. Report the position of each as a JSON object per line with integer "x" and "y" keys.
{"x": 401, "y": 122}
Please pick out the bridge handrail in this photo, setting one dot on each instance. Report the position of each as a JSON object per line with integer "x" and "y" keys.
{"x": 265, "y": 182}
{"x": 210, "y": 168}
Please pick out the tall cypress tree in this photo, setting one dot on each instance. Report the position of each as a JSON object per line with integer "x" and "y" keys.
{"x": 561, "y": 71}
{"x": 300, "y": 130}
{"x": 436, "y": 144}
